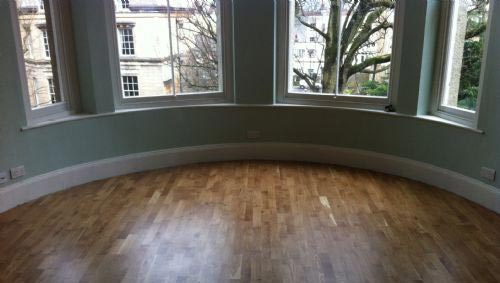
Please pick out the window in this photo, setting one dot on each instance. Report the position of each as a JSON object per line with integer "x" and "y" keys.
{"x": 300, "y": 53}
{"x": 36, "y": 93}
{"x": 52, "y": 90}
{"x": 127, "y": 41}
{"x": 46, "y": 76}
{"x": 130, "y": 86}
{"x": 175, "y": 50}
{"x": 463, "y": 58}
{"x": 46, "y": 46}
{"x": 312, "y": 53}
{"x": 34, "y": 26}
{"x": 350, "y": 30}
{"x": 125, "y": 4}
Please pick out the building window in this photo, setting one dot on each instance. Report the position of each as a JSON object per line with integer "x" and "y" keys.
{"x": 127, "y": 41}
{"x": 312, "y": 53}
{"x": 463, "y": 58}
{"x": 46, "y": 46}
{"x": 181, "y": 52}
{"x": 125, "y": 4}
{"x": 334, "y": 56}
{"x": 35, "y": 90}
{"x": 52, "y": 90}
{"x": 130, "y": 86}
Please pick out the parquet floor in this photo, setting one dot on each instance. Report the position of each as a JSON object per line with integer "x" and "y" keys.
{"x": 251, "y": 221}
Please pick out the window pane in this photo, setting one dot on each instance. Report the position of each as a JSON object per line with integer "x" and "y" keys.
{"x": 196, "y": 47}
{"x": 36, "y": 38}
{"x": 356, "y": 62}
{"x": 465, "y": 54}
{"x": 366, "y": 47}
{"x": 169, "y": 50}
{"x": 311, "y": 21}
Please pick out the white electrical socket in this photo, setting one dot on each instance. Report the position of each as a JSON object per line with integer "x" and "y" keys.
{"x": 253, "y": 134}
{"x": 17, "y": 172}
{"x": 4, "y": 177}
{"x": 488, "y": 173}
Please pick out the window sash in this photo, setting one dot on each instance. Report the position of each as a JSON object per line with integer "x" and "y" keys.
{"x": 285, "y": 72}
{"x": 59, "y": 26}
{"x": 225, "y": 67}
{"x": 439, "y": 108}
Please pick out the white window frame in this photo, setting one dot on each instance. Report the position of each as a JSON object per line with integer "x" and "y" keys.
{"x": 226, "y": 75}
{"x": 285, "y": 96}
{"x": 60, "y": 22}
{"x": 458, "y": 115}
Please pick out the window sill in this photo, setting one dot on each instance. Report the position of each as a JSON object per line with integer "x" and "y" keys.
{"x": 64, "y": 119}
{"x": 450, "y": 123}
{"x": 430, "y": 118}
{"x": 380, "y": 111}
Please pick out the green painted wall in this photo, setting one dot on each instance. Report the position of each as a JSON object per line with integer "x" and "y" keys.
{"x": 57, "y": 146}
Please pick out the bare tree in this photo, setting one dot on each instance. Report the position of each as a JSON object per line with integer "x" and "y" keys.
{"x": 197, "y": 61}
{"x": 365, "y": 24}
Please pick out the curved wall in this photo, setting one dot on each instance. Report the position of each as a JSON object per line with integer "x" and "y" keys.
{"x": 57, "y": 146}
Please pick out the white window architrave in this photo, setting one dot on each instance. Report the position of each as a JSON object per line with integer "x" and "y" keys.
{"x": 226, "y": 75}
{"x": 62, "y": 52}
{"x": 465, "y": 117}
{"x": 284, "y": 73}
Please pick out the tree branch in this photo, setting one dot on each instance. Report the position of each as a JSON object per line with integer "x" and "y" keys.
{"x": 369, "y": 62}
{"x": 306, "y": 78}
{"x": 376, "y": 71}
{"x": 324, "y": 35}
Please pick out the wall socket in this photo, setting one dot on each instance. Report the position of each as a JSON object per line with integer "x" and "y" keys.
{"x": 17, "y": 172}
{"x": 488, "y": 173}
{"x": 253, "y": 134}
{"x": 4, "y": 177}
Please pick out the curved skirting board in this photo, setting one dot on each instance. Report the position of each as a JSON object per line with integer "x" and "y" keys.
{"x": 33, "y": 188}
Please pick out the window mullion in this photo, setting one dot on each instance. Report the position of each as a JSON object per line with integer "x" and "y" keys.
{"x": 171, "y": 47}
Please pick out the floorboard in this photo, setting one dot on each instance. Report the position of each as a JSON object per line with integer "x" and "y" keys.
{"x": 251, "y": 221}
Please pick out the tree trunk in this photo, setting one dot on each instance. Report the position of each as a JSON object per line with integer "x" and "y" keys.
{"x": 331, "y": 50}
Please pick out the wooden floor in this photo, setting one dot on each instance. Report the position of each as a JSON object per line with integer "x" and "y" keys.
{"x": 251, "y": 222}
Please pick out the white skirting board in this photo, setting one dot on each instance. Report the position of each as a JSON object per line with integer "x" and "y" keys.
{"x": 33, "y": 188}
